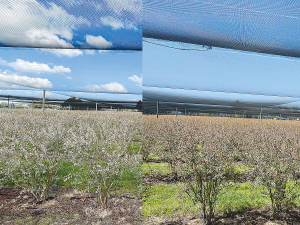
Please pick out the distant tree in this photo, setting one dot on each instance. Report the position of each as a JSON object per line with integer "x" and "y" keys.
{"x": 77, "y": 104}
{"x": 139, "y": 106}
{"x": 19, "y": 106}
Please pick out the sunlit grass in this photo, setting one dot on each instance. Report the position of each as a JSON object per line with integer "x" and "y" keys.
{"x": 155, "y": 168}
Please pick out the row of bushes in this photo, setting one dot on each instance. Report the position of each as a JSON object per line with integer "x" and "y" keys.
{"x": 34, "y": 150}
{"x": 203, "y": 152}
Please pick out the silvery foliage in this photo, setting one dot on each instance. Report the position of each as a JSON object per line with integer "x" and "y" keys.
{"x": 199, "y": 154}
{"x": 104, "y": 152}
{"x": 273, "y": 155}
{"x": 33, "y": 147}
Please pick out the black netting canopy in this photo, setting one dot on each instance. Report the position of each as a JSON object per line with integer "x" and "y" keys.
{"x": 264, "y": 26}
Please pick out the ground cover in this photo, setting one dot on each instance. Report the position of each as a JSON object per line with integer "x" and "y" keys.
{"x": 70, "y": 167}
{"x": 263, "y": 169}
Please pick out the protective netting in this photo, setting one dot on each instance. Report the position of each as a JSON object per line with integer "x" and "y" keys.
{"x": 254, "y": 25}
{"x": 66, "y": 24}
{"x": 218, "y": 80}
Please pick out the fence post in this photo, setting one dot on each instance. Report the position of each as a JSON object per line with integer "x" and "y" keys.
{"x": 157, "y": 110}
{"x": 44, "y": 96}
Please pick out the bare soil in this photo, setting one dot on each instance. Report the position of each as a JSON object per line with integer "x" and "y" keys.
{"x": 252, "y": 217}
{"x": 66, "y": 206}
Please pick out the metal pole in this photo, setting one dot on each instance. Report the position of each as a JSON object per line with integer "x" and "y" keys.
{"x": 260, "y": 113}
{"x": 96, "y": 106}
{"x": 69, "y": 107}
{"x": 185, "y": 112}
{"x": 44, "y": 96}
{"x": 87, "y": 108}
{"x": 111, "y": 107}
{"x": 235, "y": 114}
{"x": 176, "y": 111}
{"x": 8, "y": 101}
{"x": 157, "y": 109}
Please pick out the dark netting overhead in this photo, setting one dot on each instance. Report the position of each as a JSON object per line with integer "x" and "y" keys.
{"x": 66, "y": 24}
{"x": 254, "y": 25}
{"x": 218, "y": 80}
{"x": 168, "y": 100}
{"x": 69, "y": 100}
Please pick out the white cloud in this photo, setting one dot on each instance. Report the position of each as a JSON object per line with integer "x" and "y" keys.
{"x": 8, "y": 86}
{"x": 25, "y": 81}
{"x": 111, "y": 87}
{"x": 34, "y": 67}
{"x": 136, "y": 79}
{"x": 28, "y": 23}
{"x": 133, "y": 6}
{"x": 117, "y": 24}
{"x": 103, "y": 51}
{"x": 97, "y": 41}
{"x": 70, "y": 78}
{"x": 90, "y": 52}
{"x": 65, "y": 52}
{"x": 39, "y": 93}
{"x": 44, "y": 38}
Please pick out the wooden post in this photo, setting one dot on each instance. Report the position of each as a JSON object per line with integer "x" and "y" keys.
{"x": 87, "y": 108}
{"x": 44, "y": 96}
{"x": 8, "y": 101}
{"x": 111, "y": 107}
{"x": 260, "y": 113}
{"x": 185, "y": 112}
{"x": 235, "y": 114}
{"x": 157, "y": 109}
{"x": 176, "y": 111}
{"x": 96, "y": 106}
{"x": 244, "y": 115}
{"x": 69, "y": 108}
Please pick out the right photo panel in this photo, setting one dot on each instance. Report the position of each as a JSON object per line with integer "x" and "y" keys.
{"x": 221, "y": 109}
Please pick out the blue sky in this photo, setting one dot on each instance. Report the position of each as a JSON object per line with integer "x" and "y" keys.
{"x": 216, "y": 71}
{"x": 97, "y": 24}
{"x": 90, "y": 74}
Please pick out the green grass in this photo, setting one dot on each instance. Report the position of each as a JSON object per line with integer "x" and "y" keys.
{"x": 129, "y": 181}
{"x": 138, "y": 138}
{"x": 155, "y": 168}
{"x": 135, "y": 149}
{"x": 161, "y": 200}
{"x": 242, "y": 197}
{"x": 240, "y": 168}
{"x": 152, "y": 156}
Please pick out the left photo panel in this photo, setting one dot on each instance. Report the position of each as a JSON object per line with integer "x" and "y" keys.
{"x": 76, "y": 24}
{"x": 70, "y": 136}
